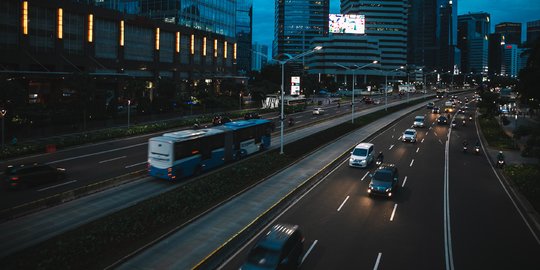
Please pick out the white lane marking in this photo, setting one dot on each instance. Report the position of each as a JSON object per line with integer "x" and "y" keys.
{"x": 279, "y": 215}
{"x": 136, "y": 164}
{"x": 440, "y": 141}
{"x": 393, "y": 212}
{"x": 343, "y": 203}
{"x": 449, "y": 258}
{"x": 404, "y": 180}
{"x": 418, "y": 149}
{"x": 364, "y": 176}
{"x": 422, "y": 140}
{"x": 377, "y": 261}
{"x": 392, "y": 136}
{"x": 97, "y": 153}
{"x": 435, "y": 133}
{"x": 391, "y": 147}
{"x": 59, "y": 185}
{"x": 116, "y": 158}
{"x": 412, "y": 161}
{"x": 309, "y": 250}
{"x": 427, "y": 133}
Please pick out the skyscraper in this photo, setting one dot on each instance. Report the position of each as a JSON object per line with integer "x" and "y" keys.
{"x": 473, "y": 30}
{"x": 510, "y": 31}
{"x": 387, "y": 21}
{"x": 260, "y": 57}
{"x": 297, "y": 22}
{"x": 533, "y": 31}
{"x": 208, "y": 15}
{"x": 422, "y": 32}
{"x": 447, "y": 56}
{"x": 495, "y": 54}
{"x": 244, "y": 23}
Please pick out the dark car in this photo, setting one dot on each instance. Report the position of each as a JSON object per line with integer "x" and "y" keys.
{"x": 280, "y": 248}
{"x": 384, "y": 181}
{"x": 436, "y": 110}
{"x": 430, "y": 105}
{"x": 220, "y": 120}
{"x": 32, "y": 175}
{"x": 251, "y": 115}
{"x": 442, "y": 120}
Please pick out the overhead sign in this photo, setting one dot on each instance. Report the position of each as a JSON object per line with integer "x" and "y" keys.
{"x": 295, "y": 86}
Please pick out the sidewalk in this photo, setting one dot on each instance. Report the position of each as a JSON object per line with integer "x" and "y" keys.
{"x": 514, "y": 157}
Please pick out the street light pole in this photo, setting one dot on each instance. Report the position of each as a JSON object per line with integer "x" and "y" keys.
{"x": 354, "y": 81}
{"x": 3, "y": 114}
{"x": 282, "y": 115}
{"x": 129, "y": 112}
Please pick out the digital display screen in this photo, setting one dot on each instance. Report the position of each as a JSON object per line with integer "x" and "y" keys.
{"x": 347, "y": 23}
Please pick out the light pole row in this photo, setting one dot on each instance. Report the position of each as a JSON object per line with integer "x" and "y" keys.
{"x": 354, "y": 81}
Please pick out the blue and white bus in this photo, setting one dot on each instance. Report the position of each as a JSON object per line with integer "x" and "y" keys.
{"x": 184, "y": 153}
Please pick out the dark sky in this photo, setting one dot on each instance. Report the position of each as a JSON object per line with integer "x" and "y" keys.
{"x": 501, "y": 11}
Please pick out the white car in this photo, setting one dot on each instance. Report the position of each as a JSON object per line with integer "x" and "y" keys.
{"x": 318, "y": 111}
{"x": 419, "y": 121}
{"x": 362, "y": 155}
{"x": 409, "y": 135}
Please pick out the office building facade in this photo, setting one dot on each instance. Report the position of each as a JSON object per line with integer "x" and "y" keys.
{"x": 43, "y": 42}
{"x": 495, "y": 54}
{"x": 296, "y": 23}
{"x": 533, "y": 32}
{"x": 473, "y": 31}
{"x": 448, "y": 54}
{"x": 510, "y": 31}
{"x": 244, "y": 35}
{"x": 386, "y": 21}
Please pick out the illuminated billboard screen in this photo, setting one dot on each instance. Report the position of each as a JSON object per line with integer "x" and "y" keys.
{"x": 347, "y": 23}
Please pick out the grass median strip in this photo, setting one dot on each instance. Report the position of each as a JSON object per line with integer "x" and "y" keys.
{"x": 111, "y": 237}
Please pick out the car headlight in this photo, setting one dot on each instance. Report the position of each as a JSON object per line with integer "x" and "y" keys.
{"x": 388, "y": 189}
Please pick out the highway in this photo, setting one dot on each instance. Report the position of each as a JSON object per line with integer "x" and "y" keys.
{"x": 31, "y": 229}
{"x": 451, "y": 211}
{"x": 93, "y": 163}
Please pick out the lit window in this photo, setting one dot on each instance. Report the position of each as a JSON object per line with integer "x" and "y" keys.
{"x": 60, "y": 23}
{"x": 122, "y": 33}
{"x": 192, "y": 44}
{"x": 25, "y": 17}
{"x": 204, "y": 46}
{"x": 225, "y": 49}
{"x": 215, "y": 48}
{"x": 90, "y": 27}
{"x": 157, "y": 39}
{"x": 177, "y": 42}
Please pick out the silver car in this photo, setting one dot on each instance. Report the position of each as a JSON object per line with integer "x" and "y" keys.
{"x": 409, "y": 135}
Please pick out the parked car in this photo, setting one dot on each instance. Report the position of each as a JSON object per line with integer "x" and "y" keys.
{"x": 362, "y": 155}
{"x": 318, "y": 111}
{"x": 280, "y": 248}
{"x": 409, "y": 135}
{"x": 25, "y": 175}
{"x": 419, "y": 121}
{"x": 384, "y": 181}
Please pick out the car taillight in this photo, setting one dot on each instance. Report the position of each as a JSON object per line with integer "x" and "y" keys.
{"x": 14, "y": 178}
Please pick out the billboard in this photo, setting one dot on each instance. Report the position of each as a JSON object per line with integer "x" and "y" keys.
{"x": 295, "y": 86}
{"x": 347, "y": 23}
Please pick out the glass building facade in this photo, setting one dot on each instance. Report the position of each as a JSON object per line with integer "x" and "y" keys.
{"x": 511, "y": 32}
{"x": 473, "y": 32}
{"x": 244, "y": 37}
{"x": 297, "y": 22}
{"x": 214, "y": 16}
{"x": 387, "y": 21}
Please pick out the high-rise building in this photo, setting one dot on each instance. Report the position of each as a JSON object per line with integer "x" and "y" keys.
{"x": 422, "y": 32}
{"x": 473, "y": 31}
{"x": 511, "y": 60}
{"x": 207, "y": 15}
{"x": 511, "y": 32}
{"x": 495, "y": 53}
{"x": 533, "y": 31}
{"x": 387, "y": 21}
{"x": 297, "y": 22}
{"x": 448, "y": 51}
{"x": 244, "y": 23}
{"x": 259, "y": 57}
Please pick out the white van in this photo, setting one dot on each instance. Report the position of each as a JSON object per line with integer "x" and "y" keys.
{"x": 362, "y": 155}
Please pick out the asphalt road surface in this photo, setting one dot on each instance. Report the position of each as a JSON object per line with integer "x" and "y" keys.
{"x": 450, "y": 212}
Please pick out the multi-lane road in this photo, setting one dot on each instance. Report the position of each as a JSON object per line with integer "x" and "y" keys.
{"x": 451, "y": 211}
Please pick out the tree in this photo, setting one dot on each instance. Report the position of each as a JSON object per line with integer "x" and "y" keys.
{"x": 529, "y": 78}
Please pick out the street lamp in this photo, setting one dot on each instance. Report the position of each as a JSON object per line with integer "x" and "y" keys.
{"x": 354, "y": 81}
{"x": 282, "y": 63}
{"x": 128, "y": 111}
{"x": 386, "y": 85}
{"x": 2, "y": 114}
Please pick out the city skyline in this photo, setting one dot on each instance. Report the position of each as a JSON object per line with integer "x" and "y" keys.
{"x": 519, "y": 11}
